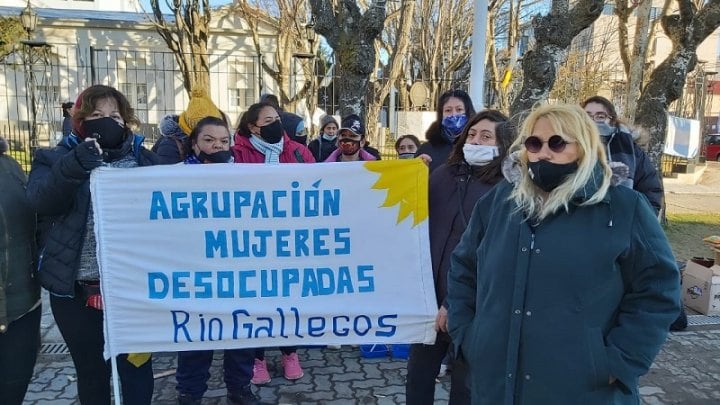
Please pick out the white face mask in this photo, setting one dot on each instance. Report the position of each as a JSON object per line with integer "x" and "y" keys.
{"x": 480, "y": 155}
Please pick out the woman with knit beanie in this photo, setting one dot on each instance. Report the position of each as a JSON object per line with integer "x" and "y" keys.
{"x": 59, "y": 190}
{"x": 19, "y": 289}
{"x": 260, "y": 138}
{"x": 322, "y": 146}
{"x": 170, "y": 147}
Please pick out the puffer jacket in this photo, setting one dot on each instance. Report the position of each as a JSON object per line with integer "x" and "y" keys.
{"x": 293, "y": 152}
{"x": 19, "y": 288}
{"x": 59, "y": 190}
{"x": 643, "y": 176}
{"x": 170, "y": 147}
{"x": 547, "y": 313}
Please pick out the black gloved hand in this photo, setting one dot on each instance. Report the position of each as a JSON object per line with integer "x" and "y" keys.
{"x": 88, "y": 155}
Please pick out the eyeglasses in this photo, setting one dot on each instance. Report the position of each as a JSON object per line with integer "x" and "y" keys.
{"x": 599, "y": 116}
{"x": 556, "y": 143}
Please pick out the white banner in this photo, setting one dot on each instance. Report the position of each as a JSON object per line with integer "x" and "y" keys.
{"x": 683, "y": 137}
{"x": 220, "y": 256}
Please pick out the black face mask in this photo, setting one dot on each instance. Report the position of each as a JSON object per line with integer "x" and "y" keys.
{"x": 272, "y": 133}
{"x": 108, "y": 132}
{"x": 223, "y": 156}
{"x": 548, "y": 175}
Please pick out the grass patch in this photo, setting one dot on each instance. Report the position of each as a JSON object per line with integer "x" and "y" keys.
{"x": 686, "y": 231}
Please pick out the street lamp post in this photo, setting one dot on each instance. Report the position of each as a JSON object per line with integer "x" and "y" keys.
{"x": 311, "y": 36}
{"x": 28, "y": 19}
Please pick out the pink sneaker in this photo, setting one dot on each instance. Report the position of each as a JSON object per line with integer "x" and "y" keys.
{"x": 291, "y": 366}
{"x": 260, "y": 373}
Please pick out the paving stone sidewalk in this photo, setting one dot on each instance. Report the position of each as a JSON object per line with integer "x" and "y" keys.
{"x": 687, "y": 371}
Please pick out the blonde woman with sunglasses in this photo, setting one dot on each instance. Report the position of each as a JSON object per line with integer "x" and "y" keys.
{"x": 563, "y": 286}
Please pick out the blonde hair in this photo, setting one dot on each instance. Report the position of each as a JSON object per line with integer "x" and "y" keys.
{"x": 572, "y": 123}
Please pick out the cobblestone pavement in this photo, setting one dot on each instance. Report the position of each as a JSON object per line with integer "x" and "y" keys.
{"x": 687, "y": 371}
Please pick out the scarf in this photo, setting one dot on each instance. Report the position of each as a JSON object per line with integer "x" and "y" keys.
{"x": 271, "y": 151}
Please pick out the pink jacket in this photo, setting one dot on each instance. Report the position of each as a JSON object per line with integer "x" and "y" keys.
{"x": 293, "y": 152}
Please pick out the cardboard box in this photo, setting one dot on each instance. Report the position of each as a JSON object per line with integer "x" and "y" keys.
{"x": 701, "y": 288}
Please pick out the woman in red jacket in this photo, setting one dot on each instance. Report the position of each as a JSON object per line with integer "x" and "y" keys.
{"x": 260, "y": 138}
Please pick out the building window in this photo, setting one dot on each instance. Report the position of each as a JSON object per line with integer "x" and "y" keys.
{"x": 655, "y": 12}
{"x": 241, "y": 98}
{"x": 136, "y": 93}
{"x": 132, "y": 71}
{"x": 241, "y": 89}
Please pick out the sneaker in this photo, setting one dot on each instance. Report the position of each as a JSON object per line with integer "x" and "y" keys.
{"x": 291, "y": 366}
{"x": 443, "y": 371}
{"x": 244, "y": 397}
{"x": 186, "y": 399}
{"x": 260, "y": 373}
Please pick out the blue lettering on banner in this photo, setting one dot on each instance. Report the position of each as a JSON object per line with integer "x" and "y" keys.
{"x": 189, "y": 327}
{"x": 309, "y": 203}
{"x": 264, "y": 283}
{"x": 281, "y": 242}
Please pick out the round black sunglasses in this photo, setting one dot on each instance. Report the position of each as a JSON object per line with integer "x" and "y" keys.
{"x": 556, "y": 143}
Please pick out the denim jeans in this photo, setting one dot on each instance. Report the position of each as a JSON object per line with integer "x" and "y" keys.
{"x": 82, "y": 329}
{"x": 423, "y": 367}
{"x": 18, "y": 352}
{"x": 193, "y": 371}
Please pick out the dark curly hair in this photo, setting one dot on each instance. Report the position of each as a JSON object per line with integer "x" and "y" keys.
{"x": 504, "y": 137}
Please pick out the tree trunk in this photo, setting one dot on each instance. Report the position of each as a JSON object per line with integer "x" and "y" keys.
{"x": 351, "y": 35}
{"x": 380, "y": 89}
{"x": 639, "y": 56}
{"x": 553, "y": 33}
{"x": 686, "y": 30}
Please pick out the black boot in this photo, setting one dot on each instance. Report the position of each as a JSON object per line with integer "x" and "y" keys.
{"x": 185, "y": 399}
{"x": 244, "y": 397}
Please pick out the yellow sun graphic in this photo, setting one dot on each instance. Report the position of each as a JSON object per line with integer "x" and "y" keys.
{"x": 406, "y": 182}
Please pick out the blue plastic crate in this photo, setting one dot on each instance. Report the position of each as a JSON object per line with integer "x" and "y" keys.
{"x": 401, "y": 351}
{"x": 373, "y": 351}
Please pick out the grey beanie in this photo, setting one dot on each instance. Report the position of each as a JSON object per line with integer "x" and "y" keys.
{"x": 327, "y": 119}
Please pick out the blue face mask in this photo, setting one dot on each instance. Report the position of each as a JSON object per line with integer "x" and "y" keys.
{"x": 329, "y": 138}
{"x": 453, "y": 125}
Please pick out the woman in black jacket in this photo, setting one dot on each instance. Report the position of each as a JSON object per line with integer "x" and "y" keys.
{"x": 471, "y": 171}
{"x": 19, "y": 288}
{"x": 59, "y": 190}
{"x": 454, "y": 109}
{"x": 620, "y": 147}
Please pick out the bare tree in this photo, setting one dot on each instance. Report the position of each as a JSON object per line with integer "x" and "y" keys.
{"x": 635, "y": 60}
{"x": 687, "y": 29}
{"x": 187, "y": 37}
{"x": 441, "y": 48}
{"x": 351, "y": 33}
{"x": 395, "y": 43}
{"x": 554, "y": 33}
{"x": 585, "y": 71}
{"x": 287, "y": 20}
{"x": 503, "y": 27}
